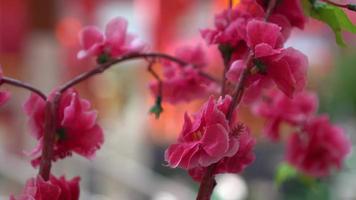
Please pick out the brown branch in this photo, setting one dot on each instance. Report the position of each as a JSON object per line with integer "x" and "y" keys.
{"x": 49, "y": 136}
{"x": 20, "y": 84}
{"x": 103, "y": 67}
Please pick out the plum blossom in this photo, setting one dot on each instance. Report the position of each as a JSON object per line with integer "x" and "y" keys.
{"x": 290, "y": 9}
{"x": 277, "y": 108}
{"x": 230, "y": 25}
{"x": 236, "y": 163}
{"x": 184, "y": 83}
{"x": 53, "y": 189}
{"x": 115, "y": 42}
{"x": 4, "y": 95}
{"x": 77, "y": 130}
{"x": 204, "y": 141}
{"x": 286, "y": 68}
{"x": 318, "y": 148}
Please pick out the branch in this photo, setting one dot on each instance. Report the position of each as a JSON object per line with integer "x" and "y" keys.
{"x": 347, "y": 6}
{"x": 103, "y": 67}
{"x": 20, "y": 84}
{"x": 49, "y": 136}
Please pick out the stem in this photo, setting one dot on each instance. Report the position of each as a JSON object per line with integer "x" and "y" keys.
{"x": 240, "y": 88}
{"x": 270, "y": 8}
{"x": 20, "y": 84}
{"x": 49, "y": 136}
{"x": 103, "y": 67}
{"x": 208, "y": 183}
{"x": 230, "y": 4}
{"x": 155, "y": 75}
{"x": 226, "y": 69}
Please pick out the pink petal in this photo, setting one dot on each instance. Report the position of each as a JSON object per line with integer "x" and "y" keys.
{"x": 235, "y": 71}
{"x": 4, "y": 97}
{"x": 215, "y": 141}
{"x": 262, "y": 32}
{"x": 115, "y": 31}
{"x": 298, "y": 64}
{"x": 88, "y": 141}
{"x": 76, "y": 115}
{"x": 281, "y": 74}
{"x": 90, "y": 36}
{"x": 264, "y": 49}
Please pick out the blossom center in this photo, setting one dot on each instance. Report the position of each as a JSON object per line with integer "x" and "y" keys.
{"x": 197, "y": 135}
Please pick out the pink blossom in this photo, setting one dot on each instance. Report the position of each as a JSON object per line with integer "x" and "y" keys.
{"x": 53, "y": 189}
{"x": 285, "y": 67}
{"x": 230, "y": 25}
{"x": 236, "y": 163}
{"x": 184, "y": 83}
{"x": 204, "y": 141}
{"x": 4, "y": 95}
{"x": 115, "y": 42}
{"x": 77, "y": 130}
{"x": 318, "y": 148}
{"x": 291, "y": 9}
{"x": 277, "y": 108}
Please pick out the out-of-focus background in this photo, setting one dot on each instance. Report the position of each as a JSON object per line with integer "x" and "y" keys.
{"x": 38, "y": 44}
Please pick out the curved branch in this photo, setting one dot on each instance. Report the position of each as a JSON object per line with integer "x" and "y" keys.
{"x": 103, "y": 67}
{"x": 20, "y": 84}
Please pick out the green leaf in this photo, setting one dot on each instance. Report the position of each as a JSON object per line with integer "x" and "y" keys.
{"x": 285, "y": 172}
{"x": 331, "y": 15}
{"x": 157, "y": 108}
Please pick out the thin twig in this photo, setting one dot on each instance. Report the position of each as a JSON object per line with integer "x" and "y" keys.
{"x": 336, "y": 4}
{"x": 103, "y": 67}
{"x": 20, "y": 84}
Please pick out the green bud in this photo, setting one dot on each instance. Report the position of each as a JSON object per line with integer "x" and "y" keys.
{"x": 103, "y": 58}
{"x": 157, "y": 108}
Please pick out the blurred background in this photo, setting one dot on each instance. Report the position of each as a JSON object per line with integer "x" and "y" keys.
{"x": 39, "y": 43}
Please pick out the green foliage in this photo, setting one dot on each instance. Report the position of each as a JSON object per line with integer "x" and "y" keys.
{"x": 331, "y": 15}
{"x": 157, "y": 108}
{"x": 295, "y": 185}
{"x": 284, "y": 172}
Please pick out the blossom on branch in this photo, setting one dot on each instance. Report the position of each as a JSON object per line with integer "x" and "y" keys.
{"x": 287, "y": 68}
{"x": 53, "y": 189}
{"x": 290, "y": 9}
{"x": 318, "y": 148}
{"x": 277, "y": 108}
{"x": 236, "y": 163}
{"x": 212, "y": 139}
{"x": 76, "y": 127}
{"x": 184, "y": 83}
{"x": 4, "y": 95}
{"x": 115, "y": 42}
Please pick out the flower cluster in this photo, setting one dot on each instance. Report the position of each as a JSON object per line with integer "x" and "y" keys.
{"x": 316, "y": 146}
{"x": 184, "y": 83}
{"x": 53, "y": 189}
{"x": 210, "y": 138}
{"x": 4, "y": 95}
{"x": 76, "y": 127}
{"x": 115, "y": 42}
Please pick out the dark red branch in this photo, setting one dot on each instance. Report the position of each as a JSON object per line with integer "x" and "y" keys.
{"x": 20, "y": 84}
{"x": 103, "y": 67}
{"x": 49, "y": 136}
